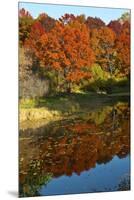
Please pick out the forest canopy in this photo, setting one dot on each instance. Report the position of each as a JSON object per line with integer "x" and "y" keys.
{"x": 73, "y": 52}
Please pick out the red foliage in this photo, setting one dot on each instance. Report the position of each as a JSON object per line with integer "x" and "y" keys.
{"x": 123, "y": 49}
{"x": 94, "y": 23}
{"x": 65, "y": 48}
{"x": 67, "y": 18}
{"x": 102, "y": 41}
{"x": 70, "y": 45}
{"x": 24, "y": 13}
{"x": 115, "y": 26}
{"x": 47, "y": 22}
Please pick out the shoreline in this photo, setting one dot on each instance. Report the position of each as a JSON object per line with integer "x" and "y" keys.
{"x": 69, "y": 107}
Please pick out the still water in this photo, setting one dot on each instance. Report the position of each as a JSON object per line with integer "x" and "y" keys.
{"x": 82, "y": 154}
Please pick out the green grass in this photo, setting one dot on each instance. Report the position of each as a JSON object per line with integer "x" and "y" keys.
{"x": 66, "y": 105}
{"x": 68, "y": 102}
{"x": 110, "y": 86}
{"x": 93, "y": 94}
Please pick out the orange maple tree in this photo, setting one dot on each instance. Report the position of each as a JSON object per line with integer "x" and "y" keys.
{"x": 102, "y": 41}
{"x": 66, "y": 49}
{"x": 123, "y": 49}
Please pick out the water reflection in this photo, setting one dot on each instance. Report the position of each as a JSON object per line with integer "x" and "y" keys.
{"x": 69, "y": 148}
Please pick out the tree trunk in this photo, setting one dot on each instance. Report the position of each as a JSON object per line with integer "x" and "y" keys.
{"x": 69, "y": 87}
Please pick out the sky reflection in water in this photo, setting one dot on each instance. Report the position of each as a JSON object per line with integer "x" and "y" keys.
{"x": 104, "y": 177}
{"x": 88, "y": 154}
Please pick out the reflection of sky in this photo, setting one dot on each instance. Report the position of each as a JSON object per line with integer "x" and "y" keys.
{"x": 57, "y": 11}
{"x": 104, "y": 176}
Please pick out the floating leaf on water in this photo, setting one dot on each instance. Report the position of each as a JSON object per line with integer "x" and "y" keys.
{"x": 21, "y": 159}
{"x": 48, "y": 154}
{"x": 49, "y": 148}
{"x": 112, "y": 143}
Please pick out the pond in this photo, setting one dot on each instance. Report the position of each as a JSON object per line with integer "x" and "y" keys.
{"x": 88, "y": 153}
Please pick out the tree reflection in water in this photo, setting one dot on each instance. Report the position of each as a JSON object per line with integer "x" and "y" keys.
{"x": 73, "y": 146}
{"x": 124, "y": 183}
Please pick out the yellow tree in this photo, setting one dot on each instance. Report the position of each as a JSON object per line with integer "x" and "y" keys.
{"x": 102, "y": 42}
{"x": 123, "y": 49}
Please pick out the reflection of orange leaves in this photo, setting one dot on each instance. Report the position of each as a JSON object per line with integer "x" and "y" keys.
{"x": 64, "y": 154}
{"x": 22, "y": 178}
{"x": 82, "y": 127}
{"x": 63, "y": 140}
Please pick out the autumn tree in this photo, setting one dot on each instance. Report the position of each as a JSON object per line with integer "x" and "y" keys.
{"x": 116, "y": 26}
{"x": 25, "y": 23}
{"x": 78, "y": 52}
{"x": 66, "y": 50}
{"x": 74, "y": 54}
{"x": 94, "y": 23}
{"x": 124, "y": 18}
{"x": 70, "y": 18}
{"x": 67, "y": 18}
{"x": 44, "y": 47}
{"x": 47, "y": 22}
{"x": 102, "y": 43}
{"x": 32, "y": 43}
{"x": 123, "y": 50}
{"x": 81, "y": 19}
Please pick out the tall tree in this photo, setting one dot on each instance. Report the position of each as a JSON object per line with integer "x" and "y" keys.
{"x": 66, "y": 49}
{"x": 33, "y": 41}
{"x": 78, "y": 52}
{"x": 102, "y": 42}
{"x": 123, "y": 49}
{"x": 47, "y": 22}
{"x": 124, "y": 18}
{"x": 25, "y": 23}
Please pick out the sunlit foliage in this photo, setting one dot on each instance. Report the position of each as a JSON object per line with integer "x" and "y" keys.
{"x": 65, "y": 50}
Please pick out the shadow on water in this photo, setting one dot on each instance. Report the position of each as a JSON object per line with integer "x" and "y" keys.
{"x": 73, "y": 148}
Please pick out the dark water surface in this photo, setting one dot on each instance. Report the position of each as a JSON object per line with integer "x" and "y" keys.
{"x": 82, "y": 154}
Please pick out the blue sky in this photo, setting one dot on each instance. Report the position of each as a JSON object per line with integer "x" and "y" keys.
{"x": 56, "y": 11}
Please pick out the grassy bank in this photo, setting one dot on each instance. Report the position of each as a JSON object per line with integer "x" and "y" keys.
{"x": 64, "y": 105}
